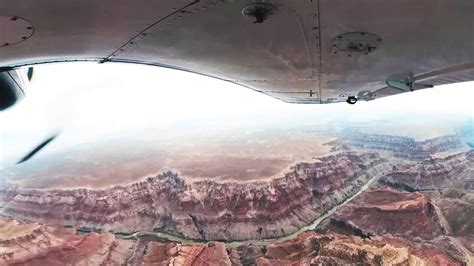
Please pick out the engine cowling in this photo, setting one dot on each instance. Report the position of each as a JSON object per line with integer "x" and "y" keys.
{"x": 13, "y": 86}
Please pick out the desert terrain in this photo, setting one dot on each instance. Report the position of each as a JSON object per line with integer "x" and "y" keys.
{"x": 303, "y": 197}
{"x": 245, "y": 155}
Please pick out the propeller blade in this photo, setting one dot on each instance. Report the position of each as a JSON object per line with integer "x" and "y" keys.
{"x": 37, "y": 149}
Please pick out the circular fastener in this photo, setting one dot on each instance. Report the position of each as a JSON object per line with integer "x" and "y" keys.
{"x": 351, "y": 100}
{"x": 14, "y": 30}
{"x": 259, "y": 11}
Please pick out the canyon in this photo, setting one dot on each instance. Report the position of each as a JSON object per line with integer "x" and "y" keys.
{"x": 205, "y": 210}
{"x": 402, "y": 147}
{"x": 385, "y": 199}
{"x": 59, "y": 246}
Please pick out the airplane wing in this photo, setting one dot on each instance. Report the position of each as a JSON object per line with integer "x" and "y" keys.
{"x": 299, "y": 51}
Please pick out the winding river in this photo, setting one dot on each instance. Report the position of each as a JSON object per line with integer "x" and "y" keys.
{"x": 379, "y": 172}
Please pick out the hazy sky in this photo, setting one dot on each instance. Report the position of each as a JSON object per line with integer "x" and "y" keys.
{"x": 89, "y": 101}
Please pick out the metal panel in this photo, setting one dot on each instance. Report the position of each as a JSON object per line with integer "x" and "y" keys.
{"x": 418, "y": 37}
{"x": 214, "y": 38}
{"x": 83, "y": 29}
{"x": 289, "y": 56}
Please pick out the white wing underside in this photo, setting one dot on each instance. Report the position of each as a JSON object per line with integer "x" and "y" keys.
{"x": 294, "y": 55}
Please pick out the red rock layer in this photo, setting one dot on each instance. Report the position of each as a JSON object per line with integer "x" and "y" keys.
{"x": 454, "y": 171}
{"x": 403, "y": 147}
{"x": 457, "y": 207}
{"x": 309, "y": 248}
{"x": 388, "y": 211}
{"x": 204, "y": 209}
{"x": 29, "y": 243}
{"x": 334, "y": 249}
{"x": 214, "y": 253}
{"x": 37, "y": 244}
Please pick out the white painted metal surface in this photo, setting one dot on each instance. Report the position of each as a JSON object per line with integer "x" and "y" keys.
{"x": 289, "y": 56}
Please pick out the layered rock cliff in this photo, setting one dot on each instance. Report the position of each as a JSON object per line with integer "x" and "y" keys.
{"x": 37, "y": 244}
{"x": 204, "y": 209}
{"x": 428, "y": 201}
{"x": 402, "y": 147}
{"x": 27, "y": 243}
{"x": 420, "y": 212}
{"x": 382, "y": 211}
{"x": 455, "y": 171}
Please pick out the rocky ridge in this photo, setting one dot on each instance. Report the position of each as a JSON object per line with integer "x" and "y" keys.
{"x": 418, "y": 213}
{"x": 455, "y": 171}
{"x": 402, "y": 147}
{"x": 37, "y": 244}
{"x": 428, "y": 201}
{"x": 203, "y": 210}
{"x": 385, "y": 210}
{"x": 29, "y": 243}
